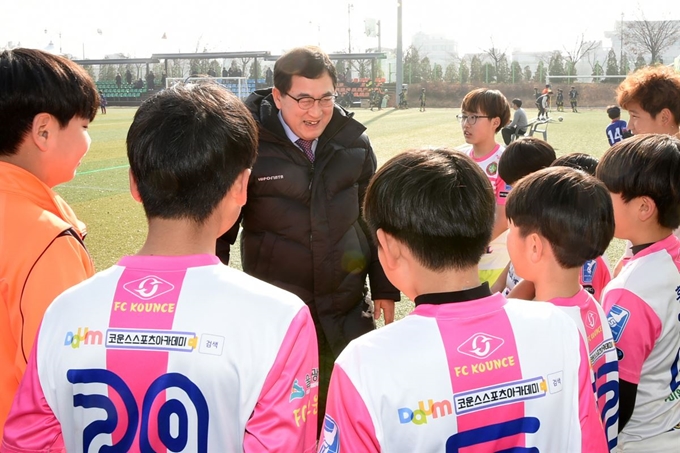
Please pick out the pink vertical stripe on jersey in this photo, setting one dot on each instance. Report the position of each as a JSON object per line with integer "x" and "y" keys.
{"x": 139, "y": 368}
{"x": 482, "y": 351}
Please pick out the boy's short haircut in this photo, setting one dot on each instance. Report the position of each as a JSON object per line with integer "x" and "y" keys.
{"x": 580, "y": 161}
{"x": 33, "y": 82}
{"x": 523, "y": 157}
{"x": 488, "y": 102}
{"x": 186, "y": 146}
{"x": 517, "y": 102}
{"x": 613, "y": 112}
{"x": 654, "y": 88}
{"x": 310, "y": 62}
{"x": 569, "y": 208}
{"x": 437, "y": 202}
{"x": 646, "y": 165}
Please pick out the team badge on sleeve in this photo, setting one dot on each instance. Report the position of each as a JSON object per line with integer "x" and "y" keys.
{"x": 618, "y": 319}
{"x": 331, "y": 437}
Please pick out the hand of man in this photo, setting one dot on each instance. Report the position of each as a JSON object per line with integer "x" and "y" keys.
{"x": 387, "y": 308}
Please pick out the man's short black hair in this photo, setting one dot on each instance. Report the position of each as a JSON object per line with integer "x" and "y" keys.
{"x": 569, "y": 208}
{"x": 580, "y": 161}
{"x": 437, "y": 202}
{"x": 309, "y": 62}
{"x": 523, "y": 157}
{"x": 646, "y": 165}
{"x": 517, "y": 102}
{"x": 33, "y": 82}
{"x": 186, "y": 146}
{"x": 613, "y": 112}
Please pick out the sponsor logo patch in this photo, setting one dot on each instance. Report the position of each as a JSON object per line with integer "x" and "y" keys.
{"x": 618, "y": 319}
{"x": 148, "y": 287}
{"x": 480, "y": 345}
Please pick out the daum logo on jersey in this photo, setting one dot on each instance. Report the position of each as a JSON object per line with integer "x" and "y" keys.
{"x": 83, "y": 336}
{"x": 419, "y": 416}
{"x": 618, "y": 318}
{"x": 480, "y": 345}
{"x": 331, "y": 437}
{"x": 297, "y": 391}
{"x": 588, "y": 272}
{"x": 148, "y": 287}
{"x": 492, "y": 168}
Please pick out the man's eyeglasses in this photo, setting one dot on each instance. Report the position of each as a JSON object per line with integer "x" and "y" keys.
{"x": 471, "y": 119}
{"x": 307, "y": 102}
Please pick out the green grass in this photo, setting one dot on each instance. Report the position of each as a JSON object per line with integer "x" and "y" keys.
{"x": 100, "y": 196}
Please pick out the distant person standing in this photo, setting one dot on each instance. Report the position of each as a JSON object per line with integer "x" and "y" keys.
{"x": 422, "y": 99}
{"x": 269, "y": 77}
{"x": 519, "y": 123}
{"x": 618, "y": 128}
{"x": 224, "y": 72}
{"x": 542, "y": 104}
{"x": 102, "y": 102}
{"x": 559, "y": 101}
{"x": 118, "y": 80}
{"x": 573, "y": 99}
{"x": 150, "y": 78}
{"x": 536, "y": 93}
{"x": 128, "y": 77}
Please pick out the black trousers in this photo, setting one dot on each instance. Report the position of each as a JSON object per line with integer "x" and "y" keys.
{"x": 507, "y": 132}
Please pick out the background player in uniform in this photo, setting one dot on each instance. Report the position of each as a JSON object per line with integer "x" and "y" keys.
{"x": 522, "y": 157}
{"x": 573, "y": 99}
{"x": 595, "y": 273}
{"x": 422, "y": 99}
{"x": 46, "y": 105}
{"x": 560, "y": 218}
{"x": 559, "y": 101}
{"x": 455, "y": 386}
{"x": 543, "y": 104}
{"x": 170, "y": 349}
{"x": 643, "y": 301}
{"x": 483, "y": 113}
{"x": 617, "y": 129}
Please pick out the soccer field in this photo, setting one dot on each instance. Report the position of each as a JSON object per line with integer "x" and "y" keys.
{"x": 99, "y": 193}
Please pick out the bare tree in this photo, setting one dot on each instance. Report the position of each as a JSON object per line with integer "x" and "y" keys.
{"x": 581, "y": 49}
{"x": 244, "y": 65}
{"x": 497, "y": 55}
{"x": 651, "y": 36}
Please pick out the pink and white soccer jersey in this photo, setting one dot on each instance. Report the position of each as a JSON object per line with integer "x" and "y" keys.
{"x": 489, "y": 164}
{"x": 592, "y": 323}
{"x": 643, "y": 308}
{"x": 161, "y": 354}
{"x": 480, "y": 374}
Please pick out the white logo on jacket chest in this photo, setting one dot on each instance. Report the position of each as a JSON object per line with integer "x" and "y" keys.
{"x": 269, "y": 178}
{"x": 480, "y": 345}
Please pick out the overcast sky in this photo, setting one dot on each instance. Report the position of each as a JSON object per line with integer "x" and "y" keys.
{"x": 94, "y": 28}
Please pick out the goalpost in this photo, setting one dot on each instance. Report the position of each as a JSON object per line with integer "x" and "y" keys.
{"x": 565, "y": 79}
{"x": 237, "y": 85}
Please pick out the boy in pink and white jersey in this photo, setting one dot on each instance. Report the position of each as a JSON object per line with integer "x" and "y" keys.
{"x": 643, "y": 300}
{"x": 466, "y": 370}
{"x": 559, "y": 218}
{"x": 484, "y": 112}
{"x": 170, "y": 350}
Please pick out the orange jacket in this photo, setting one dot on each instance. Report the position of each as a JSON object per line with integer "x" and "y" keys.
{"x": 41, "y": 255}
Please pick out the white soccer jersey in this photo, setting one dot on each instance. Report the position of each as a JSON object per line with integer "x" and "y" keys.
{"x": 643, "y": 308}
{"x": 177, "y": 354}
{"x": 480, "y": 374}
{"x": 591, "y": 321}
{"x": 489, "y": 165}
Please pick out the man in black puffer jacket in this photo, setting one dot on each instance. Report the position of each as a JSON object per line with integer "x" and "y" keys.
{"x": 302, "y": 225}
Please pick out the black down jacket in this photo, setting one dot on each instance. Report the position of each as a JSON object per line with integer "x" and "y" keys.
{"x": 301, "y": 225}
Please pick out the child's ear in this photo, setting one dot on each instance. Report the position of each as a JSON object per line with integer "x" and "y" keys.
{"x": 536, "y": 247}
{"x": 42, "y": 129}
{"x": 389, "y": 249}
{"x": 647, "y": 209}
{"x": 134, "y": 190}
{"x": 666, "y": 116}
{"x": 240, "y": 188}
